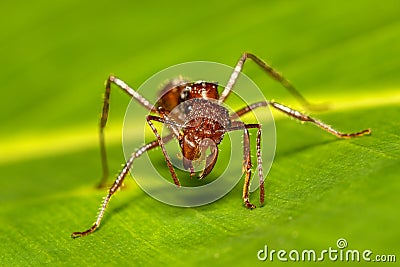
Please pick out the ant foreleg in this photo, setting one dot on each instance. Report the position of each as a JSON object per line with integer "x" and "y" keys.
{"x": 150, "y": 118}
{"x": 236, "y": 125}
{"x": 246, "y": 169}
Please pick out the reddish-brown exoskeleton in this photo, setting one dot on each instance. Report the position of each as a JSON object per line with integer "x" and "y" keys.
{"x": 194, "y": 113}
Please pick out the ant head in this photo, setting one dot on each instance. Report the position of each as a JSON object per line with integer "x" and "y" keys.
{"x": 195, "y": 151}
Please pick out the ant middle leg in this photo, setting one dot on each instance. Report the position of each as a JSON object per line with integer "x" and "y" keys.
{"x": 236, "y": 125}
{"x": 303, "y": 117}
{"x": 298, "y": 115}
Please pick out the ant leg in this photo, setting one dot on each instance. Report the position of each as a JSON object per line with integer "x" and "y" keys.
{"x": 300, "y": 116}
{"x": 259, "y": 160}
{"x": 269, "y": 70}
{"x": 247, "y": 109}
{"x": 104, "y": 116}
{"x": 117, "y": 184}
{"x": 150, "y": 118}
{"x": 246, "y": 169}
{"x": 236, "y": 125}
{"x": 247, "y": 161}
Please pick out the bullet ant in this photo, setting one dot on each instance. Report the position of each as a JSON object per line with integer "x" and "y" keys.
{"x": 200, "y": 124}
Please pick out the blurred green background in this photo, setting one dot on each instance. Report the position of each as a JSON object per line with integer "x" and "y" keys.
{"x": 55, "y": 57}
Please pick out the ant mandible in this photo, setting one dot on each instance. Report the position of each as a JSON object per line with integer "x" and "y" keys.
{"x": 201, "y": 117}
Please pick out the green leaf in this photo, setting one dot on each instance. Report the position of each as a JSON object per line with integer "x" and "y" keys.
{"x": 55, "y": 57}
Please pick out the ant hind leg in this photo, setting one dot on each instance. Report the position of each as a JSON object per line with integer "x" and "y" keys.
{"x": 104, "y": 117}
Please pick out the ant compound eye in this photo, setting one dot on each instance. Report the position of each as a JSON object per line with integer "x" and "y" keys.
{"x": 185, "y": 92}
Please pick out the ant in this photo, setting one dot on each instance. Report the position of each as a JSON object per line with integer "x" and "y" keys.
{"x": 200, "y": 124}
